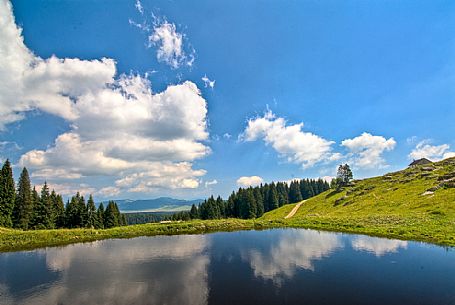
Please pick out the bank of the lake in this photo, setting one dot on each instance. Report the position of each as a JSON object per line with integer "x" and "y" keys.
{"x": 435, "y": 230}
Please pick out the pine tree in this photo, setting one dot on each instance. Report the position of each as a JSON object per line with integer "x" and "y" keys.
{"x": 111, "y": 215}
{"x": 7, "y": 195}
{"x": 294, "y": 192}
{"x": 58, "y": 210}
{"x": 73, "y": 212}
{"x": 220, "y": 207}
{"x": 100, "y": 212}
{"x": 273, "y": 197}
{"x": 23, "y": 207}
{"x": 230, "y": 206}
{"x": 92, "y": 216}
{"x": 259, "y": 202}
{"x": 282, "y": 191}
{"x": 36, "y": 216}
{"x": 82, "y": 207}
{"x": 42, "y": 209}
{"x": 194, "y": 212}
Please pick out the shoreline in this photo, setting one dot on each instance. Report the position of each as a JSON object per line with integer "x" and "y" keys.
{"x": 411, "y": 229}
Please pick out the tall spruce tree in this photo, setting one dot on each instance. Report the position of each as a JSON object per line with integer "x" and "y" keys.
{"x": 294, "y": 192}
{"x": 112, "y": 217}
{"x": 259, "y": 202}
{"x": 100, "y": 212}
{"x": 82, "y": 207}
{"x": 92, "y": 216}
{"x": 7, "y": 195}
{"x": 23, "y": 207}
{"x": 194, "y": 213}
{"x": 73, "y": 215}
{"x": 273, "y": 197}
{"x": 35, "y": 218}
{"x": 58, "y": 210}
{"x": 42, "y": 213}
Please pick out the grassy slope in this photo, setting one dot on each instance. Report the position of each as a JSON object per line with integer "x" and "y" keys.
{"x": 391, "y": 205}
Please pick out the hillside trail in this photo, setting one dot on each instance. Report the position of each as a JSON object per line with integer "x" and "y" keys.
{"x": 294, "y": 210}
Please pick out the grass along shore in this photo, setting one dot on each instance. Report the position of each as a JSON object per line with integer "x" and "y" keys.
{"x": 436, "y": 230}
{"x": 412, "y": 204}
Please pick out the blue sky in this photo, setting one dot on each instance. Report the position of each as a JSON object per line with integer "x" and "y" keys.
{"x": 372, "y": 83}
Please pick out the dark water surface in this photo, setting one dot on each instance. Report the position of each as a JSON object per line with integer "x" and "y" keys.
{"x": 286, "y": 266}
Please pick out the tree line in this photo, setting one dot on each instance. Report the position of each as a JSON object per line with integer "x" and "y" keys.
{"x": 22, "y": 207}
{"x": 253, "y": 202}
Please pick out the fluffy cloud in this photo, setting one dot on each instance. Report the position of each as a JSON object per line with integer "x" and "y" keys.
{"x": 249, "y": 181}
{"x": 433, "y": 152}
{"x": 119, "y": 127}
{"x": 28, "y": 82}
{"x": 169, "y": 43}
{"x": 366, "y": 150}
{"x": 289, "y": 141}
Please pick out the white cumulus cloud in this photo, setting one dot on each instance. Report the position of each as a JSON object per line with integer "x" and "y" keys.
{"x": 424, "y": 149}
{"x": 366, "y": 150}
{"x": 247, "y": 181}
{"x": 289, "y": 141}
{"x": 119, "y": 127}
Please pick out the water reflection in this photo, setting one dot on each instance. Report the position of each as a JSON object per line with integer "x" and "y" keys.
{"x": 378, "y": 246}
{"x": 162, "y": 270}
{"x": 282, "y": 266}
{"x": 294, "y": 249}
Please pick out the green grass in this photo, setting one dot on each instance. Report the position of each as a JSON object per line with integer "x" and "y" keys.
{"x": 391, "y": 206}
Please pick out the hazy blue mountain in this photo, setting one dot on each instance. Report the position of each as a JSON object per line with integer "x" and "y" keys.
{"x": 161, "y": 204}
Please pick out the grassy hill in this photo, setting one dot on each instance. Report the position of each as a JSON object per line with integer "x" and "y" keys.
{"x": 416, "y": 203}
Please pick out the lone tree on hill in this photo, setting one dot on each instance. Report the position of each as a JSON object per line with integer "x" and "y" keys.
{"x": 344, "y": 176}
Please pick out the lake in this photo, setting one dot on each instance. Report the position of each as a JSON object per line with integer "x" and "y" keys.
{"x": 281, "y": 266}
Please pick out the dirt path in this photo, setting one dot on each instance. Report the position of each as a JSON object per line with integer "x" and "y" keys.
{"x": 294, "y": 210}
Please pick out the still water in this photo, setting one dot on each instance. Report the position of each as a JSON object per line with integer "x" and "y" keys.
{"x": 285, "y": 266}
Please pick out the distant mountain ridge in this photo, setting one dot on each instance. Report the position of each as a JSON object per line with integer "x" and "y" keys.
{"x": 161, "y": 204}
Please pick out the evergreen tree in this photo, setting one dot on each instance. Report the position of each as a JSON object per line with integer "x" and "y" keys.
{"x": 7, "y": 195}
{"x": 194, "y": 214}
{"x": 282, "y": 191}
{"x": 230, "y": 206}
{"x": 92, "y": 216}
{"x": 259, "y": 202}
{"x": 125, "y": 223}
{"x": 82, "y": 207}
{"x": 273, "y": 197}
{"x": 36, "y": 216}
{"x": 23, "y": 204}
{"x": 100, "y": 218}
{"x": 73, "y": 215}
{"x": 220, "y": 207}
{"x": 247, "y": 204}
{"x": 111, "y": 215}
{"x": 58, "y": 210}
{"x": 294, "y": 192}
{"x": 42, "y": 213}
